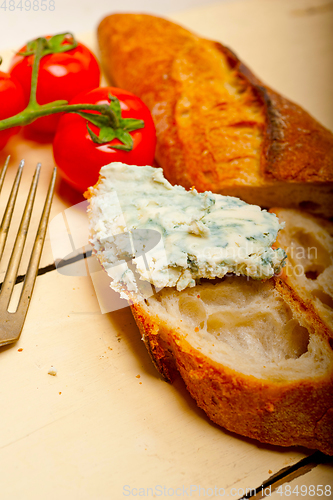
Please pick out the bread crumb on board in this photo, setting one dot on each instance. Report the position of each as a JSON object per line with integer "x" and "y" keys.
{"x": 52, "y": 371}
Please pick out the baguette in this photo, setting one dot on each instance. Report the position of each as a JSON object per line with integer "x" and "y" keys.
{"x": 254, "y": 354}
{"x": 219, "y": 128}
{"x": 280, "y": 332}
{"x": 254, "y": 357}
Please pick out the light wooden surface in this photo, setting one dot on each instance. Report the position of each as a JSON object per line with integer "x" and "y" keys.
{"x": 106, "y": 423}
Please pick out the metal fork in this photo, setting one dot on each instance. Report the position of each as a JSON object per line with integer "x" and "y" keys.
{"x": 11, "y": 323}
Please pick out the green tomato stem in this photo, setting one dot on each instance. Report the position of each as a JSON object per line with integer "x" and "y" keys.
{"x": 34, "y": 111}
{"x": 35, "y": 68}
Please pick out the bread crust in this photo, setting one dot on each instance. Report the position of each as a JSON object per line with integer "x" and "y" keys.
{"x": 250, "y": 142}
{"x": 280, "y": 413}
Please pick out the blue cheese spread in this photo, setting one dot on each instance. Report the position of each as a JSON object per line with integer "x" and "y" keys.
{"x": 143, "y": 227}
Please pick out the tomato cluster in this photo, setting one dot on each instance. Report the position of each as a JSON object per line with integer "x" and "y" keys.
{"x": 61, "y": 75}
{"x": 81, "y": 143}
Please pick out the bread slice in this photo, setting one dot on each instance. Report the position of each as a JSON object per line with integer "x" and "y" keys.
{"x": 219, "y": 128}
{"x": 253, "y": 354}
{"x": 255, "y": 358}
{"x": 308, "y": 242}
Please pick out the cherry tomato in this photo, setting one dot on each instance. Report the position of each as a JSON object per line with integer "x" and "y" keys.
{"x": 11, "y": 102}
{"x": 80, "y": 159}
{"x": 61, "y": 75}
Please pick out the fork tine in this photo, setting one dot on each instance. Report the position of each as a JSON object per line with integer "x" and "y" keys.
{"x": 15, "y": 259}
{"x": 12, "y": 323}
{"x": 7, "y": 216}
{"x": 3, "y": 172}
{"x": 36, "y": 252}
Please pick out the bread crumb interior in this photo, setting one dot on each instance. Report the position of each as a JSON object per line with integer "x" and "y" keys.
{"x": 244, "y": 322}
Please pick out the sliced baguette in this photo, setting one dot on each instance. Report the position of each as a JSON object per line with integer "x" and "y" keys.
{"x": 308, "y": 242}
{"x": 219, "y": 128}
{"x": 255, "y": 355}
{"x": 252, "y": 354}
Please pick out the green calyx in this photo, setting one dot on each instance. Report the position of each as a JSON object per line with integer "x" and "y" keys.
{"x": 57, "y": 43}
{"x": 109, "y": 121}
{"x": 113, "y": 126}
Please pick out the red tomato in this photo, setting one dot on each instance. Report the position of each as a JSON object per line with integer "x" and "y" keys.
{"x": 80, "y": 159}
{"x": 61, "y": 75}
{"x": 11, "y": 102}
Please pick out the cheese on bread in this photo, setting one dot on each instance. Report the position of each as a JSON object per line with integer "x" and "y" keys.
{"x": 175, "y": 236}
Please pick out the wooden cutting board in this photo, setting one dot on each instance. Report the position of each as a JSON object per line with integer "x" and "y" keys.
{"x": 106, "y": 425}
